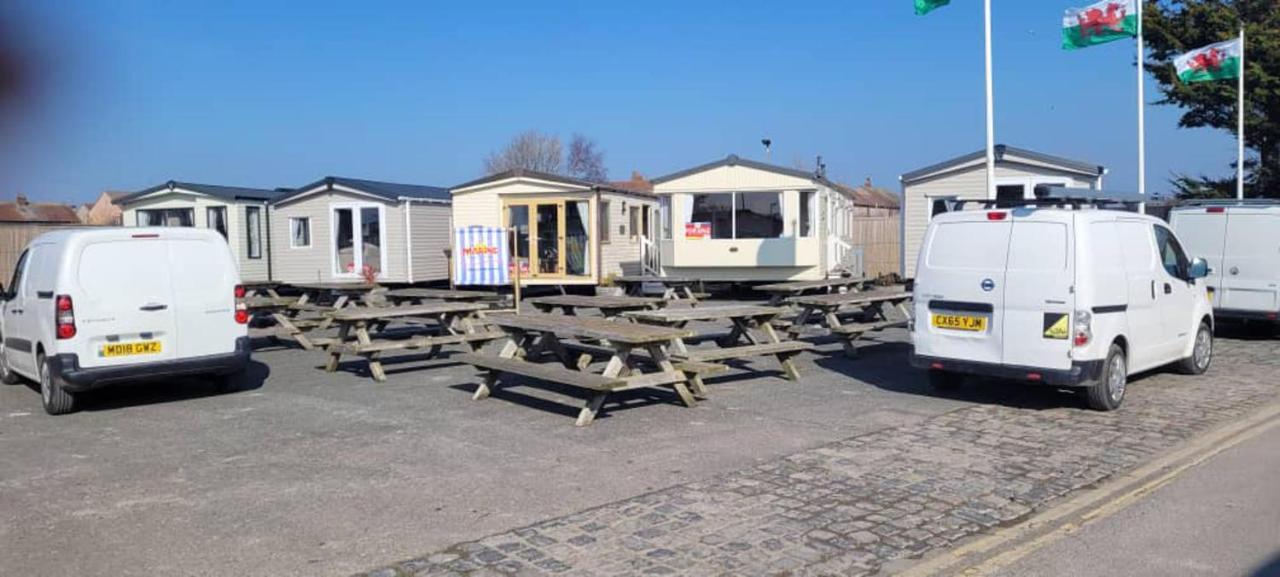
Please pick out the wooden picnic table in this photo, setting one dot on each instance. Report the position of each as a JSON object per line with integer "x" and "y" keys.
{"x": 638, "y": 357}
{"x": 742, "y": 342}
{"x": 780, "y": 292}
{"x": 673, "y": 288}
{"x": 610, "y": 306}
{"x": 270, "y": 288}
{"x": 873, "y": 306}
{"x": 455, "y": 323}
{"x": 419, "y": 295}
{"x": 311, "y": 311}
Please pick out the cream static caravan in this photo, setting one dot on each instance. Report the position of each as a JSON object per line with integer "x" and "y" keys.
{"x": 737, "y": 220}
{"x": 239, "y": 214}
{"x": 568, "y": 231}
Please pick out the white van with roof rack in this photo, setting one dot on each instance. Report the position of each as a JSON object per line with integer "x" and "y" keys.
{"x": 1058, "y": 291}
{"x": 88, "y": 308}
{"x": 1241, "y": 241}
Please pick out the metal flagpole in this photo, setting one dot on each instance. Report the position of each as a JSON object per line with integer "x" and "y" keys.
{"x": 991, "y": 125}
{"x": 1142, "y": 118}
{"x": 1240, "y": 125}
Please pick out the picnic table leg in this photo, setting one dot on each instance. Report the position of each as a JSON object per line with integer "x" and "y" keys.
{"x": 335, "y": 349}
{"x": 375, "y": 358}
{"x": 688, "y": 294}
{"x": 510, "y": 350}
{"x": 668, "y": 294}
{"x": 660, "y": 358}
{"x": 784, "y": 359}
{"x": 775, "y": 299}
{"x": 616, "y": 364}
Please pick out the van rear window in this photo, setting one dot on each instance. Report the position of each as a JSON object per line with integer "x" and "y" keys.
{"x": 1038, "y": 246}
{"x": 969, "y": 245}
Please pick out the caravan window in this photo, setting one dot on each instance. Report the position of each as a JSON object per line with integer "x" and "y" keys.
{"x": 807, "y": 198}
{"x": 253, "y": 228}
{"x": 216, "y": 218}
{"x": 166, "y": 217}
{"x": 758, "y": 215}
{"x": 716, "y": 209}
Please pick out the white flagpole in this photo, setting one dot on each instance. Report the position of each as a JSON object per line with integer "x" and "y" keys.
{"x": 991, "y": 126}
{"x": 1240, "y": 125}
{"x": 1142, "y": 118}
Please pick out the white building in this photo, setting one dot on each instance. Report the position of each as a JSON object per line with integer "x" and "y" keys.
{"x": 929, "y": 190}
{"x": 240, "y": 214}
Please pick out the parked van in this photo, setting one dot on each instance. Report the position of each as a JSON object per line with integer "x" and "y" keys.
{"x": 1067, "y": 295}
{"x": 88, "y": 308}
{"x": 1241, "y": 241}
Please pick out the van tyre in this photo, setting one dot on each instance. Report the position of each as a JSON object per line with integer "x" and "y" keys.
{"x": 1201, "y": 353}
{"x": 1108, "y": 392}
{"x": 945, "y": 380}
{"x": 56, "y": 400}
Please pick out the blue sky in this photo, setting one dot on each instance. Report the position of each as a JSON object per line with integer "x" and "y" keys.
{"x": 278, "y": 94}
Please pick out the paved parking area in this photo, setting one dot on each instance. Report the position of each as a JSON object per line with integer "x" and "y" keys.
{"x": 307, "y": 473}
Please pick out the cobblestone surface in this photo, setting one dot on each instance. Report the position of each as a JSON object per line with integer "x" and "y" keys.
{"x": 848, "y": 507}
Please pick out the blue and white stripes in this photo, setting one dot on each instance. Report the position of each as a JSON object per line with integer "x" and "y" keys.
{"x": 482, "y": 256}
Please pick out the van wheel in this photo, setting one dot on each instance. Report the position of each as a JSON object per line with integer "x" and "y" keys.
{"x": 1108, "y": 393}
{"x": 7, "y": 376}
{"x": 57, "y": 401}
{"x": 945, "y": 380}
{"x": 1201, "y": 353}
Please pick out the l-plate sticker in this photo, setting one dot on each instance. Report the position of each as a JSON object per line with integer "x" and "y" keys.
{"x": 1057, "y": 326}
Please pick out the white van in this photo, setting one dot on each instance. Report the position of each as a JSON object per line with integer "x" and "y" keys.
{"x": 88, "y": 308}
{"x": 1067, "y": 295}
{"x": 1241, "y": 241}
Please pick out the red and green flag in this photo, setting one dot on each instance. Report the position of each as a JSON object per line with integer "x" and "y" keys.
{"x": 926, "y": 6}
{"x": 1213, "y": 62}
{"x": 1099, "y": 23}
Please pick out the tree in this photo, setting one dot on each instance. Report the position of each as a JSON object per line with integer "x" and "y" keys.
{"x": 586, "y": 160}
{"x": 1172, "y": 27}
{"x": 530, "y": 150}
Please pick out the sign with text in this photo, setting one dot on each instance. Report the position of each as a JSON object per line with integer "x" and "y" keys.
{"x": 481, "y": 256}
{"x": 697, "y": 230}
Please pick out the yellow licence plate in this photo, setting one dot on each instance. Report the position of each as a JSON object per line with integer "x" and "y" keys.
{"x": 127, "y": 349}
{"x": 960, "y": 322}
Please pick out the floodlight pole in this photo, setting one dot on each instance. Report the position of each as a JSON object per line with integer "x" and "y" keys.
{"x": 1142, "y": 117}
{"x": 1240, "y": 124}
{"x": 991, "y": 124}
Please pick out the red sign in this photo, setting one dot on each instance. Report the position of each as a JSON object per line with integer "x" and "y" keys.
{"x": 697, "y": 230}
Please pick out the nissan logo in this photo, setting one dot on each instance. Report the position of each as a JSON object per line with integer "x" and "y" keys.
{"x": 988, "y": 285}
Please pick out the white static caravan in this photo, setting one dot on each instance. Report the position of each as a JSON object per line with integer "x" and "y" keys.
{"x": 738, "y": 220}
{"x": 930, "y": 190}
{"x": 568, "y": 231}
{"x": 240, "y": 214}
{"x": 338, "y": 229}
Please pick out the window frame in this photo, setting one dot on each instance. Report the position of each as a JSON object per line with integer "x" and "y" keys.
{"x": 249, "y": 226}
{"x": 733, "y": 213}
{"x": 226, "y": 226}
{"x": 137, "y": 216}
{"x": 293, "y": 220}
{"x": 605, "y": 222}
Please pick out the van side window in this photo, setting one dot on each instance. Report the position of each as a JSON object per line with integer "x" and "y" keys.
{"x": 17, "y": 273}
{"x": 1171, "y": 254}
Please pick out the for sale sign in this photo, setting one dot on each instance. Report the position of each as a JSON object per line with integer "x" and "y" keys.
{"x": 697, "y": 230}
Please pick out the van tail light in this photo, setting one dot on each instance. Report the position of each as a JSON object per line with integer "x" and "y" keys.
{"x": 65, "y": 317}
{"x": 1215, "y": 210}
{"x": 997, "y": 215}
{"x": 242, "y": 310}
{"x": 1082, "y": 331}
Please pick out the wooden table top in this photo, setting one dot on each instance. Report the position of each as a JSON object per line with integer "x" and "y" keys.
{"x": 443, "y": 294}
{"x": 591, "y": 328}
{"x": 804, "y": 285}
{"x": 666, "y": 280}
{"x": 265, "y": 302}
{"x": 379, "y": 313}
{"x": 673, "y": 316}
{"x": 336, "y": 286}
{"x": 861, "y": 298}
{"x": 597, "y": 302}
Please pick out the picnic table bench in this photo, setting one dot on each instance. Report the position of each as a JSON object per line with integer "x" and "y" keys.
{"x": 529, "y": 336}
{"x": 780, "y": 292}
{"x": 873, "y": 306}
{"x": 420, "y": 295}
{"x": 269, "y": 288}
{"x": 673, "y": 288}
{"x": 741, "y": 343}
{"x": 609, "y": 306}
{"x": 454, "y": 324}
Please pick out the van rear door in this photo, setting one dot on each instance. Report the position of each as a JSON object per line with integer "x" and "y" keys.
{"x": 1038, "y": 293}
{"x": 124, "y": 303}
{"x": 204, "y": 280}
{"x": 1251, "y": 262}
{"x": 960, "y": 283}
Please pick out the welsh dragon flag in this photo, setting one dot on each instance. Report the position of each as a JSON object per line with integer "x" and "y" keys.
{"x": 1099, "y": 23}
{"x": 1213, "y": 62}
{"x": 926, "y": 6}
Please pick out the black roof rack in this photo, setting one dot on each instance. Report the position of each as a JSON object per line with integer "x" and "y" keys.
{"x": 1062, "y": 197}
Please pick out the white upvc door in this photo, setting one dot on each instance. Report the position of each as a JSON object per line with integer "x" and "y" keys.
{"x": 357, "y": 239}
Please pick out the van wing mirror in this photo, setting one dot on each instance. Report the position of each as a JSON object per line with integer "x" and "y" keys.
{"x": 1199, "y": 268}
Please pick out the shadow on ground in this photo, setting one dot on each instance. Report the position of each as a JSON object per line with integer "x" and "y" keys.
{"x": 167, "y": 391}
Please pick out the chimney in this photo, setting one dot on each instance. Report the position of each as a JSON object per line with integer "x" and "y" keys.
{"x": 867, "y": 183}
{"x": 22, "y": 200}
{"x": 821, "y": 170}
